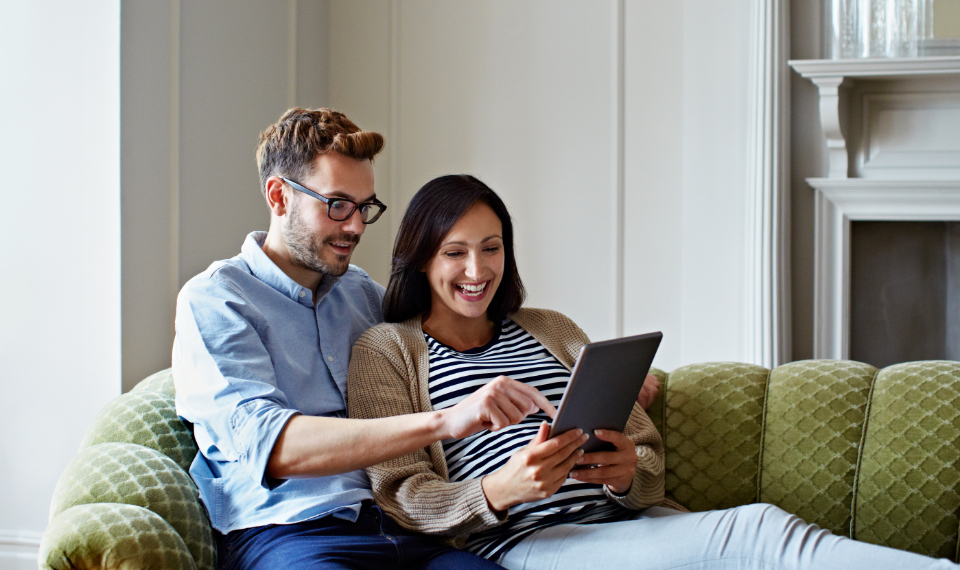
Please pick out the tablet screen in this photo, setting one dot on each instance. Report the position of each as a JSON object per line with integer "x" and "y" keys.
{"x": 604, "y": 386}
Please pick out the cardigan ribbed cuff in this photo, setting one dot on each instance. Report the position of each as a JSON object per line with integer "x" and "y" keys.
{"x": 647, "y": 488}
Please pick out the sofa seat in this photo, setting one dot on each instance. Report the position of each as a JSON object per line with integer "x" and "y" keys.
{"x": 866, "y": 453}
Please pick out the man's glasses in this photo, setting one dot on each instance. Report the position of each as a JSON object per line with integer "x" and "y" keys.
{"x": 340, "y": 209}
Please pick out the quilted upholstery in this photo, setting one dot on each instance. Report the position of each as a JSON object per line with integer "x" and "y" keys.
{"x": 908, "y": 490}
{"x": 161, "y": 382}
{"x": 110, "y": 535}
{"x": 814, "y": 420}
{"x": 874, "y": 455}
{"x": 712, "y": 431}
{"x": 148, "y": 419}
{"x": 136, "y": 475}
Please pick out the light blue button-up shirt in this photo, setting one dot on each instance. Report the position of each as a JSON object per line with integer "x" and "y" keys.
{"x": 251, "y": 351}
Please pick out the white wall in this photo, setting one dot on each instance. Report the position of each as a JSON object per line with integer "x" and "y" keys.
{"x": 201, "y": 79}
{"x": 527, "y": 97}
{"x": 551, "y": 102}
{"x": 199, "y": 82}
{"x": 60, "y": 286}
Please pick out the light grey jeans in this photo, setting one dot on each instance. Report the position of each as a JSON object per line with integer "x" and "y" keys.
{"x": 748, "y": 537}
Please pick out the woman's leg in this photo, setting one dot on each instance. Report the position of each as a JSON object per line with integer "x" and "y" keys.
{"x": 749, "y": 537}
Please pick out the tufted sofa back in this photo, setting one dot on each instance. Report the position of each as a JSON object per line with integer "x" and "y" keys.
{"x": 866, "y": 453}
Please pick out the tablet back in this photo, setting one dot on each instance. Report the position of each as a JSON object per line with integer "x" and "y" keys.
{"x": 604, "y": 386}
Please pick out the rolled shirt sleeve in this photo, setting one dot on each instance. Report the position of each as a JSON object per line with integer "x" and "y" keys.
{"x": 226, "y": 383}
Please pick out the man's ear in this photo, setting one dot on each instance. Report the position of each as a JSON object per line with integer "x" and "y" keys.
{"x": 277, "y": 198}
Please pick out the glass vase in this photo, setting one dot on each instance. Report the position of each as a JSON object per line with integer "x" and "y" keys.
{"x": 876, "y": 28}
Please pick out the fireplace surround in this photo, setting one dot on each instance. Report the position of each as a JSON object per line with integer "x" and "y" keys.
{"x": 892, "y": 134}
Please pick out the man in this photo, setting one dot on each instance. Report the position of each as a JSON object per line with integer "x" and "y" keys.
{"x": 260, "y": 365}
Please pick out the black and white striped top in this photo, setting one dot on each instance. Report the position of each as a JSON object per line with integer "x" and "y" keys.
{"x": 454, "y": 376}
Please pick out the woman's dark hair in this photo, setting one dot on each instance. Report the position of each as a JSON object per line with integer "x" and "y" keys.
{"x": 431, "y": 214}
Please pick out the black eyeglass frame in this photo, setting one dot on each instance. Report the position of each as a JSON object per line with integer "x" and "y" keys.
{"x": 301, "y": 188}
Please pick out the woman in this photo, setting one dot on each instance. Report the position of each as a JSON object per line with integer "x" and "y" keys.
{"x": 455, "y": 324}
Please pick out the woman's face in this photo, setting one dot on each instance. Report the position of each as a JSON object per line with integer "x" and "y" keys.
{"x": 466, "y": 270}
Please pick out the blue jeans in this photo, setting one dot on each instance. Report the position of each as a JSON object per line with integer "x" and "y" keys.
{"x": 373, "y": 542}
{"x": 752, "y": 537}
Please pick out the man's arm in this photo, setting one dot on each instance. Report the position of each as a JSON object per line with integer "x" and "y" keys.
{"x": 317, "y": 446}
{"x": 226, "y": 386}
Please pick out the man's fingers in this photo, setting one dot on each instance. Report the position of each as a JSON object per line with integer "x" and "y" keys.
{"x": 544, "y": 404}
{"x": 524, "y": 395}
{"x": 498, "y": 420}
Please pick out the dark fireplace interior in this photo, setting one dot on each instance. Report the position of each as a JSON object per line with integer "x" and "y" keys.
{"x": 904, "y": 291}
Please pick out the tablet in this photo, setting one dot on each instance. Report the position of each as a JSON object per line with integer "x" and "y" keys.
{"x": 604, "y": 386}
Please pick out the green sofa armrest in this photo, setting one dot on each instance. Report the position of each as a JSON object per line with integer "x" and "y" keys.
{"x": 126, "y": 500}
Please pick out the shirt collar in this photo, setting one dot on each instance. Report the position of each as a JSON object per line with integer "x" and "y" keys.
{"x": 267, "y": 271}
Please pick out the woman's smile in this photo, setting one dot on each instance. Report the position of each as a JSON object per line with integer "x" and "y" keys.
{"x": 472, "y": 291}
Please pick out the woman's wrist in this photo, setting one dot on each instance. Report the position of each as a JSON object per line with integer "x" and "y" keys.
{"x": 617, "y": 493}
{"x": 490, "y": 486}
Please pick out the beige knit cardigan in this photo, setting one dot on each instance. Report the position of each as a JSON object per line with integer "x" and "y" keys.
{"x": 389, "y": 374}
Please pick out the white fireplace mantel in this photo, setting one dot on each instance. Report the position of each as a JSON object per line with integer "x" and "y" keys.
{"x": 831, "y": 75}
{"x": 892, "y": 133}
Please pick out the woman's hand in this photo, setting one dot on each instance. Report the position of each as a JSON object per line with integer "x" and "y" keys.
{"x": 614, "y": 469}
{"x": 500, "y": 403}
{"x": 651, "y": 386}
{"x": 534, "y": 472}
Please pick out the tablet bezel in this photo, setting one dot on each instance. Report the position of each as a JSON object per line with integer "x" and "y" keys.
{"x": 618, "y": 366}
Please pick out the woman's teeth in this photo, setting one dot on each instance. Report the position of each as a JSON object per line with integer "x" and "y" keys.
{"x": 472, "y": 290}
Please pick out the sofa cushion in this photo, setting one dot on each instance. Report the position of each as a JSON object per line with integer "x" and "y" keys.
{"x": 112, "y": 536}
{"x": 136, "y": 475}
{"x": 144, "y": 418}
{"x": 711, "y": 432}
{"x": 907, "y": 491}
{"x": 813, "y": 423}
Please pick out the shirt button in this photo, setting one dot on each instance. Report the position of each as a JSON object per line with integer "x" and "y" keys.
{"x": 330, "y": 358}
{"x": 302, "y": 293}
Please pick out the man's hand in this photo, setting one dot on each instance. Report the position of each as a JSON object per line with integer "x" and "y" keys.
{"x": 534, "y": 472}
{"x": 651, "y": 386}
{"x": 501, "y": 403}
{"x": 614, "y": 469}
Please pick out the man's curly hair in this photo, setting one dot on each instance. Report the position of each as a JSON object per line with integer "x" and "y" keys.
{"x": 289, "y": 147}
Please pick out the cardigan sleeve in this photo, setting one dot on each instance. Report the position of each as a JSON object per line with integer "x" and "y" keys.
{"x": 383, "y": 382}
{"x": 648, "y": 479}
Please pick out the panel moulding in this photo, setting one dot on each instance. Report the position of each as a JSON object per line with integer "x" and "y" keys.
{"x": 768, "y": 272}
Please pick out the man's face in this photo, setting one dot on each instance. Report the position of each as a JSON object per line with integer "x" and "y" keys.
{"x": 314, "y": 240}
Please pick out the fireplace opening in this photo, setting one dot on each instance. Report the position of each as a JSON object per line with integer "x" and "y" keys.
{"x": 904, "y": 291}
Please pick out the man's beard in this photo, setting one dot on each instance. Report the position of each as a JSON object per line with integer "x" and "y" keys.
{"x": 306, "y": 249}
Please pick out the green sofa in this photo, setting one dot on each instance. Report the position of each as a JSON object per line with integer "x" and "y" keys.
{"x": 865, "y": 453}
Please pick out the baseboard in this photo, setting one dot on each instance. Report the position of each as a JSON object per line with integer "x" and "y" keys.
{"x": 19, "y": 549}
